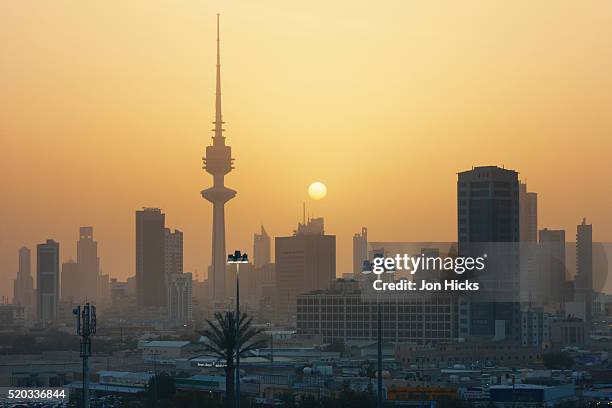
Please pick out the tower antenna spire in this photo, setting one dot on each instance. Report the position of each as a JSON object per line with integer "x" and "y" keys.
{"x": 218, "y": 137}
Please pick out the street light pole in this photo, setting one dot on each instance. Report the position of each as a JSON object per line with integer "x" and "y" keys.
{"x": 380, "y": 359}
{"x": 237, "y": 258}
{"x": 237, "y": 335}
{"x": 367, "y": 268}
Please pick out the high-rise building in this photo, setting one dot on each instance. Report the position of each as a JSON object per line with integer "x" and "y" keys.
{"x": 528, "y": 212}
{"x": 150, "y": 263}
{"x": 23, "y": 288}
{"x": 260, "y": 280}
{"x": 47, "y": 280}
{"x": 218, "y": 162}
{"x": 180, "y": 310}
{"x": 360, "y": 251}
{"x": 489, "y": 223}
{"x": 89, "y": 263}
{"x": 261, "y": 248}
{"x": 305, "y": 261}
{"x": 72, "y": 283}
{"x": 584, "y": 256}
{"x": 173, "y": 244}
{"x": 552, "y": 265}
{"x": 584, "y": 268}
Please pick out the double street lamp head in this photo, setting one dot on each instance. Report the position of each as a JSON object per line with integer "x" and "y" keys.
{"x": 237, "y": 257}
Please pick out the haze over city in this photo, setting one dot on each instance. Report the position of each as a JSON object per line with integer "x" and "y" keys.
{"x": 106, "y": 108}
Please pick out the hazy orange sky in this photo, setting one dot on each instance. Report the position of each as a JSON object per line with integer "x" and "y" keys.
{"x": 106, "y": 107}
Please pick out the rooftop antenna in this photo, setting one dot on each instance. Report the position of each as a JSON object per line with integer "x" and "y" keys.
{"x": 304, "y": 212}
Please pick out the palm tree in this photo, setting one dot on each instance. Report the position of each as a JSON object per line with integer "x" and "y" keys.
{"x": 221, "y": 334}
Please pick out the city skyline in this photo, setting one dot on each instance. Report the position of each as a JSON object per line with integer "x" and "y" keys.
{"x": 118, "y": 170}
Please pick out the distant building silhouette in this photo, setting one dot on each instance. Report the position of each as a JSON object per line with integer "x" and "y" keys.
{"x": 261, "y": 248}
{"x": 150, "y": 263}
{"x": 488, "y": 221}
{"x": 23, "y": 287}
{"x": 72, "y": 283}
{"x": 180, "y": 309}
{"x": 218, "y": 162}
{"x": 552, "y": 264}
{"x": 103, "y": 298}
{"x": 119, "y": 293}
{"x": 173, "y": 244}
{"x": 584, "y": 257}
{"x": 528, "y": 211}
{"x": 360, "y": 251}
{"x": 89, "y": 263}
{"x": 260, "y": 281}
{"x": 305, "y": 261}
{"x": 47, "y": 280}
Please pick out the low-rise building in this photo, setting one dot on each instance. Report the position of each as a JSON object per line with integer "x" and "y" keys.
{"x": 568, "y": 332}
{"x": 473, "y": 351}
{"x": 531, "y": 395}
{"x": 159, "y": 350}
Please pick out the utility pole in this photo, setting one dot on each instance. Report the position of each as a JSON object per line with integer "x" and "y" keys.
{"x": 85, "y": 327}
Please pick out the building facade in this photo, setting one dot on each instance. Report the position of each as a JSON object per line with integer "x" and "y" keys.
{"x": 344, "y": 313}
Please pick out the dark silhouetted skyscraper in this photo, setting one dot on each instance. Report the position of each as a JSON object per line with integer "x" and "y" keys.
{"x": 150, "y": 263}
{"x": 489, "y": 223}
{"x": 488, "y": 205}
{"x": 47, "y": 280}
